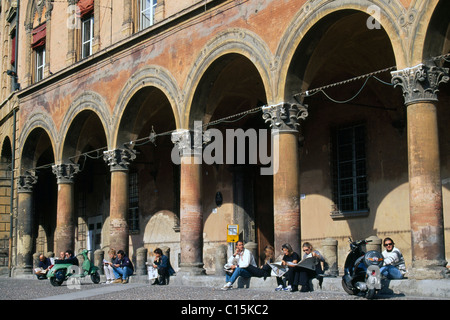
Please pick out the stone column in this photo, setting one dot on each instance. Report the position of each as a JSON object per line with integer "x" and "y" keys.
{"x": 284, "y": 120}
{"x": 65, "y": 220}
{"x": 191, "y": 218}
{"x": 330, "y": 252}
{"x": 25, "y": 223}
{"x": 420, "y": 88}
{"x": 118, "y": 160}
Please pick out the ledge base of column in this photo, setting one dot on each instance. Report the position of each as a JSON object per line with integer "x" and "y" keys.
{"x": 191, "y": 269}
{"x": 429, "y": 269}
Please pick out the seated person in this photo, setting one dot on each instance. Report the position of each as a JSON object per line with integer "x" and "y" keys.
{"x": 70, "y": 258}
{"x": 290, "y": 276}
{"x": 122, "y": 268}
{"x": 305, "y": 275}
{"x": 44, "y": 264}
{"x": 394, "y": 263}
{"x": 238, "y": 265}
{"x": 107, "y": 266}
{"x": 165, "y": 270}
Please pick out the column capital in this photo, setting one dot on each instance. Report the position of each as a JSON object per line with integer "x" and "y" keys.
{"x": 285, "y": 116}
{"x": 188, "y": 142}
{"x": 65, "y": 172}
{"x": 26, "y": 182}
{"x": 119, "y": 159}
{"x": 420, "y": 83}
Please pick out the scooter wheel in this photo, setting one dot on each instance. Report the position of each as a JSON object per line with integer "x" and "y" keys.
{"x": 95, "y": 277}
{"x": 58, "y": 279}
{"x": 370, "y": 294}
{"x": 350, "y": 291}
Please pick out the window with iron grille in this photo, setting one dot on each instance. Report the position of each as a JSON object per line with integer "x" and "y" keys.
{"x": 349, "y": 170}
{"x": 133, "y": 201}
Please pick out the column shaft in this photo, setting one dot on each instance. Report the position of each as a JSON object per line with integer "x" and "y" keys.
{"x": 425, "y": 183}
{"x": 65, "y": 222}
{"x": 118, "y": 211}
{"x": 420, "y": 87}
{"x": 191, "y": 218}
{"x": 286, "y": 199}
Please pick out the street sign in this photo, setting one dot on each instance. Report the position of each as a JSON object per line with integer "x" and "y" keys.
{"x": 232, "y": 233}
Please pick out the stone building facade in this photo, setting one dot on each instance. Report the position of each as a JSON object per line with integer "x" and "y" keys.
{"x": 99, "y": 96}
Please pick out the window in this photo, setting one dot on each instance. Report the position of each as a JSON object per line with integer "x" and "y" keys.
{"x": 146, "y": 13}
{"x": 349, "y": 166}
{"x": 38, "y": 45}
{"x": 87, "y": 35}
{"x": 40, "y": 63}
{"x": 133, "y": 202}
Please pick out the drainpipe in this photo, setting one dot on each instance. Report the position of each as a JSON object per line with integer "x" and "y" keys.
{"x": 16, "y": 86}
{"x": 11, "y": 205}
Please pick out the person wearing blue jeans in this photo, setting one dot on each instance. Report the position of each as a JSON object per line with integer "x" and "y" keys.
{"x": 237, "y": 265}
{"x": 122, "y": 268}
{"x": 394, "y": 263}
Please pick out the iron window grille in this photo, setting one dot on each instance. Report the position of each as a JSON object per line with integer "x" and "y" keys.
{"x": 133, "y": 201}
{"x": 349, "y": 171}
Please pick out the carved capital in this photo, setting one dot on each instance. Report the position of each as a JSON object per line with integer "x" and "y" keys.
{"x": 26, "y": 182}
{"x": 420, "y": 83}
{"x": 119, "y": 159}
{"x": 65, "y": 173}
{"x": 285, "y": 116}
{"x": 188, "y": 142}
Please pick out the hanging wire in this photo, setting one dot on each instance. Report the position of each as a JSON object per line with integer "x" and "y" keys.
{"x": 239, "y": 116}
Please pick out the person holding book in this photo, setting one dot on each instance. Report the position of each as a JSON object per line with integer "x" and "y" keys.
{"x": 289, "y": 260}
{"x": 122, "y": 268}
{"x": 165, "y": 270}
{"x": 238, "y": 264}
{"x": 43, "y": 266}
{"x": 305, "y": 275}
{"x": 107, "y": 266}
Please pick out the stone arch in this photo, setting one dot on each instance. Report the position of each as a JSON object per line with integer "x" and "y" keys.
{"x": 152, "y": 76}
{"x": 37, "y": 7}
{"x": 41, "y": 120}
{"x": 432, "y": 31}
{"x": 86, "y": 101}
{"x": 232, "y": 41}
{"x": 311, "y": 13}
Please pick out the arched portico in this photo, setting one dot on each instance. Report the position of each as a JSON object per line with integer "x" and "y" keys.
{"x": 143, "y": 177}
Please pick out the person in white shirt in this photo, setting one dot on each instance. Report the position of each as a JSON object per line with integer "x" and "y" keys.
{"x": 394, "y": 263}
{"x": 237, "y": 265}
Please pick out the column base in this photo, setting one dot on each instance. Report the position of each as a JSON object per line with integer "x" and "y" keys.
{"x": 429, "y": 269}
{"x": 191, "y": 269}
{"x": 22, "y": 271}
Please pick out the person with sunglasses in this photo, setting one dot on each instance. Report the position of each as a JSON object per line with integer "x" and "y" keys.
{"x": 394, "y": 263}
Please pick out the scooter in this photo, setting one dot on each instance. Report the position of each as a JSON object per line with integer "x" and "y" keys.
{"x": 60, "y": 271}
{"x": 362, "y": 270}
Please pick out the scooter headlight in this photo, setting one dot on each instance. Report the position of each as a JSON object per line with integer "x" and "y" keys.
{"x": 373, "y": 258}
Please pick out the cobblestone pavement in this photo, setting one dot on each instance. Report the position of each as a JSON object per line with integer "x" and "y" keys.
{"x": 179, "y": 301}
{"x": 31, "y": 289}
